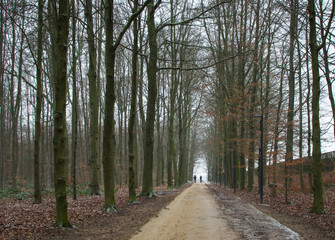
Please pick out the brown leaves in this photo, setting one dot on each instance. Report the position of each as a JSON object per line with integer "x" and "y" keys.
{"x": 21, "y": 219}
{"x": 300, "y": 204}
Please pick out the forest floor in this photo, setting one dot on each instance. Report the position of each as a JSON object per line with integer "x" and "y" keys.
{"x": 20, "y": 219}
{"x": 296, "y": 215}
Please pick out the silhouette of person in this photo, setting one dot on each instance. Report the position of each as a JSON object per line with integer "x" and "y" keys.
{"x": 195, "y": 178}
{"x": 200, "y": 179}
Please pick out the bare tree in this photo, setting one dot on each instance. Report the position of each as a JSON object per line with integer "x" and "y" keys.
{"x": 60, "y": 157}
{"x": 37, "y": 188}
{"x": 94, "y": 102}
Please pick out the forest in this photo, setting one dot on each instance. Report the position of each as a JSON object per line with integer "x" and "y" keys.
{"x": 97, "y": 96}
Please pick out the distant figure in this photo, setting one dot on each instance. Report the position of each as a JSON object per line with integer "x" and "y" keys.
{"x": 195, "y": 178}
{"x": 200, "y": 179}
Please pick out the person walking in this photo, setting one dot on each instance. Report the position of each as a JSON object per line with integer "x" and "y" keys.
{"x": 195, "y": 178}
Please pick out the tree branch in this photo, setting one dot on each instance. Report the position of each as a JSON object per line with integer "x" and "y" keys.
{"x": 192, "y": 19}
{"x": 328, "y": 28}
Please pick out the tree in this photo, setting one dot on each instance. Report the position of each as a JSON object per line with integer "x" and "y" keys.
{"x": 94, "y": 102}
{"x": 60, "y": 157}
{"x": 318, "y": 203}
{"x": 108, "y": 134}
{"x": 290, "y": 113}
{"x": 74, "y": 102}
{"x": 37, "y": 188}
{"x": 108, "y": 153}
{"x": 15, "y": 104}
{"x": 251, "y": 160}
{"x": 132, "y": 117}
{"x": 147, "y": 189}
{"x": 2, "y": 105}
{"x": 172, "y": 102}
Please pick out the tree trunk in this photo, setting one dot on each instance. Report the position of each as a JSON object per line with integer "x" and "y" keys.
{"x": 74, "y": 103}
{"x": 2, "y": 109}
{"x": 37, "y": 188}
{"x": 290, "y": 113}
{"x": 108, "y": 153}
{"x": 147, "y": 189}
{"x": 12, "y": 107}
{"x": 301, "y": 165}
{"x": 60, "y": 157}
{"x": 309, "y": 135}
{"x": 94, "y": 103}
{"x": 131, "y": 125}
{"x": 277, "y": 124}
{"x": 251, "y": 159}
{"x": 318, "y": 203}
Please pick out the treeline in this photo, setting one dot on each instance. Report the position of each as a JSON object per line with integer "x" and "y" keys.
{"x": 134, "y": 93}
{"x": 273, "y": 65}
{"x": 96, "y": 94}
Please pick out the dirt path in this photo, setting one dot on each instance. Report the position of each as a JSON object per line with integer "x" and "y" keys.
{"x": 193, "y": 214}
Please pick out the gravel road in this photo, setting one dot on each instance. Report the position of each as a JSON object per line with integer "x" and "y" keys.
{"x": 198, "y": 213}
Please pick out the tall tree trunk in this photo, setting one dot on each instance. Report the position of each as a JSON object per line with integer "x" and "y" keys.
{"x": 290, "y": 113}
{"x": 12, "y": 106}
{"x": 301, "y": 166}
{"x": 147, "y": 189}
{"x": 242, "y": 75}
{"x": 74, "y": 103}
{"x": 277, "y": 124}
{"x": 318, "y": 203}
{"x": 132, "y": 117}
{"x": 60, "y": 157}
{"x": 37, "y": 188}
{"x": 251, "y": 160}
{"x": 159, "y": 155}
{"x": 94, "y": 103}
{"x": 2, "y": 109}
{"x": 309, "y": 134}
{"x": 108, "y": 153}
{"x": 173, "y": 92}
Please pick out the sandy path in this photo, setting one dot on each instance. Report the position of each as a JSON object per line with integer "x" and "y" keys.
{"x": 194, "y": 214}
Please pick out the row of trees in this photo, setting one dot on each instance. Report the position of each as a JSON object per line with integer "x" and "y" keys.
{"x": 101, "y": 117}
{"x": 266, "y": 52}
{"x": 132, "y": 93}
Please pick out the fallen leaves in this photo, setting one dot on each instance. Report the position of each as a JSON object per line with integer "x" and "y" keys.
{"x": 21, "y": 219}
{"x": 299, "y": 205}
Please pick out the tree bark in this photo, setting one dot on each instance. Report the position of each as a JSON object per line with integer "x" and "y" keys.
{"x": 109, "y": 122}
{"x": 37, "y": 188}
{"x": 94, "y": 103}
{"x": 290, "y": 113}
{"x": 318, "y": 203}
{"x": 147, "y": 189}
{"x": 251, "y": 159}
{"x": 60, "y": 157}
{"x": 131, "y": 125}
{"x": 2, "y": 105}
{"x": 74, "y": 103}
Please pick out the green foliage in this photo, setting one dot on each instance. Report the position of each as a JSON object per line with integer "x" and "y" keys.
{"x": 81, "y": 190}
{"x": 15, "y": 193}
{"x": 25, "y": 193}
{"x": 48, "y": 191}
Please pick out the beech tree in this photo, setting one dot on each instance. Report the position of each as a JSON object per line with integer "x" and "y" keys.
{"x": 147, "y": 187}
{"x": 290, "y": 113}
{"x": 318, "y": 202}
{"x": 108, "y": 154}
{"x": 132, "y": 117}
{"x": 60, "y": 154}
{"x": 37, "y": 188}
{"x": 94, "y": 102}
